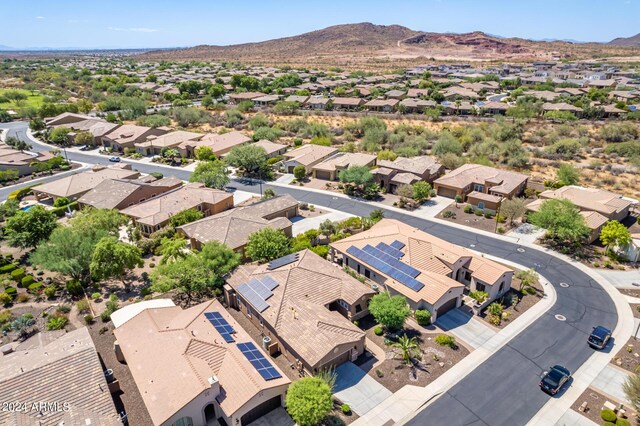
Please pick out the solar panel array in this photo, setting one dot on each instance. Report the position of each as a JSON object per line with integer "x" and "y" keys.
{"x": 399, "y": 245}
{"x": 389, "y": 250}
{"x": 259, "y": 362}
{"x": 221, "y": 324}
{"x": 385, "y": 268}
{"x": 257, "y": 291}
{"x": 284, "y": 260}
{"x": 404, "y": 267}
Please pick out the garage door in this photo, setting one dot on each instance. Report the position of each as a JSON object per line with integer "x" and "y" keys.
{"x": 446, "y": 192}
{"x": 259, "y": 411}
{"x": 323, "y": 175}
{"x": 451, "y": 304}
{"x": 340, "y": 359}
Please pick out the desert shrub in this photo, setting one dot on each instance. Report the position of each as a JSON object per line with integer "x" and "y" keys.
{"x": 56, "y": 323}
{"x": 446, "y": 340}
{"x": 449, "y": 214}
{"x": 378, "y": 330}
{"x": 423, "y": 317}
{"x": 468, "y": 209}
{"x": 7, "y": 268}
{"x": 35, "y": 287}
{"x": 27, "y": 281}
{"x": 88, "y": 319}
{"x": 5, "y": 299}
{"x": 608, "y": 416}
{"x": 622, "y": 422}
{"x": 50, "y": 291}
{"x": 82, "y": 305}
{"x": 5, "y": 316}
{"x": 345, "y": 408}
{"x": 23, "y": 298}
{"x": 11, "y": 291}
{"x": 17, "y": 274}
{"x": 74, "y": 288}
{"x": 95, "y": 296}
{"x": 105, "y": 316}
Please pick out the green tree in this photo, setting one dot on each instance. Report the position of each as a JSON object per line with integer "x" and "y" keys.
{"x": 268, "y": 193}
{"x": 90, "y": 219}
{"x": 356, "y": 175}
{"x": 421, "y": 191}
{"x": 527, "y": 278}
{"x": 15, "y": 96}
{"x": 185, "y": 216}
{"x": 249, "y": 158}
{"x": 217, "y": 91}
{"x": 390, "y": 311}
{"x": 300, "y": 172}
{"x": 405, "y": 191}
{"x": 204, "y": 153}
{"x": 408, "y": 347}
{"x": 614, "y": 234}
{"x": 212, "y": 173}
{"x": 387, "y": 154}
{"x": 59, "y": 135}
{"x": 447, "y": 144}
{"x": 267, "y": 244}
{"x": 173, "y": 250}
{"x": 114, "y": 259}
{"x": 29, "y": 228}
{"x": 562, "y": 220}
{"x": 568, "y": 174}
{"x": 83, "y": 138}
{"x": 68, "y": 251}
{"x": 513, "y": 208}
{"x": 309, "y": 401}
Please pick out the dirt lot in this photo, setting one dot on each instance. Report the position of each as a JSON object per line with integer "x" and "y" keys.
{"x": 527, "y": 300}
{"x": 629, "y": 356}
{"x": 471, "y": 219}
{"x": 630, "y": 292}
{"x": 394, "y": 373}
{"x": 595, "y": 401}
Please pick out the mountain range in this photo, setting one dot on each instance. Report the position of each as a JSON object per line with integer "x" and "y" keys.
{"x": 390, "y": 46}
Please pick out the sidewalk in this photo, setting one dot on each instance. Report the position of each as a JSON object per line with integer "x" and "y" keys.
{"x": 403, "y": 404}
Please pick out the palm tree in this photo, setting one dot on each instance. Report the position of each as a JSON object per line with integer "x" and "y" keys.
{"x": 408, "y": 347}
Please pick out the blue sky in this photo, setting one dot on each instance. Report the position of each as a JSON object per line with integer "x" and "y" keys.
{"x": 163, "y": 23}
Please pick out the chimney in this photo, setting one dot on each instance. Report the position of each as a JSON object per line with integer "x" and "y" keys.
{"x": 215, "y": 385}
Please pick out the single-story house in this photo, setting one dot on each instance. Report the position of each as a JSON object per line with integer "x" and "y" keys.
{"x": 236, "y": 98}
{"x": 62, "y": 371}
{"x": 406, "y": 170}
{"x": 308, "y": 312}
{"x": 266, "y": 100}
{"x": 155, "y": 144}
{"x": 382, "y": 105}
{"x": 475, "y": 178}
{"x": 330, "y": 168}
{"x": 155, "y": 213}
{"x": 122, "y": 193}
{"x": 197, "y": 366}
{"x": 75, "y": 186}
{"x": 347, "y": 103}
{"x": 429, "y": 272}
{"x": 317, "y": 102}
{"x": 307, "y": 156}
{"x": 271, "y": 148}
{"x": 66, "y": 118}
{"x": 233, "y": 227}
{"x": 21, "y": 161}
{"x": 220, "y": 144}
{"x": 416, "y": 105}
{"x": 128, "y": 135}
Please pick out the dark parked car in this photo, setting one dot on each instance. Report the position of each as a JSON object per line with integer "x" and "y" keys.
{"x": 553, "y": 380}
{"x": 599, "y": 337}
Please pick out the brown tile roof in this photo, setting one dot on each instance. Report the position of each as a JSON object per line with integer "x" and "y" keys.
{"x": 416, "y": 165}
{"x": 270, "y": 147}
{"x": 297, "y": 310}
{"x": 160, "y": 209}
{"x": 344, "y": 160}
{"x": 234, "y": 226}
{"x": 128, "y": 133}
{"x": 469, "y": 174}
{"x": 604, "y": 202}
{"x": 220, "y": 144}
{"x": 62, "y": 370}
{"x": 430, "y": 255}
{"x": 171, "y": 139}
{"x": 172, "y": 353}
{"x": 593, "y": 220}
{"x": 109, "y": 193}
{"x": 78, "y": 184}
{"x": 308, "y": 154}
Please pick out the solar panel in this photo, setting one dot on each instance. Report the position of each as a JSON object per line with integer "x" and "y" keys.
{"x": 398, "y": 245}
{"x": 252, "y": 297}
{"x": 260, "y": 289}
{"x": 404, "y": 267}
{"x": 390, "y": 250}
{"x": 284, "y": 260}
{"x": 259, "y": 362}
{"x": 221, "y": 325}
{"x": 385, "y": 268}
{"x": 269, "y": 282}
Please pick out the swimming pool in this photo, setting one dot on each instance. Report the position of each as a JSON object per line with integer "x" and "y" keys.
{"x": 27, "y": 208}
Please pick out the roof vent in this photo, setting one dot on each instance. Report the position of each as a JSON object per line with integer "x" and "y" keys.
{"x": 213, "y": 380}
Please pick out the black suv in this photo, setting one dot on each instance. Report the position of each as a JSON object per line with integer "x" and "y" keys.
{"x": 553, "y": 380}
{"x": 599, "y": 337}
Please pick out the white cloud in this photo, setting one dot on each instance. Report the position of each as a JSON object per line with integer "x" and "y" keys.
{"x": 134, "y": 30}
{"x": 40, "y": 17}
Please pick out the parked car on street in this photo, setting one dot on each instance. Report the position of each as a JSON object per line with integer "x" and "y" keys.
{"x": 599, "y": 337}
{"x": 114, "y": 159}
{"x": 553, "y": 380}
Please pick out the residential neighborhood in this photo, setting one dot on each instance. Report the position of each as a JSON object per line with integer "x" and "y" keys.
{"x": 362, "y": 224}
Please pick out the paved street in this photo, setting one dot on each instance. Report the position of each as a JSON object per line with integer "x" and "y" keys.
{"x": 504, "y": 389}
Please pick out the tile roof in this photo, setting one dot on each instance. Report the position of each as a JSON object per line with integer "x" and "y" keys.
{"x": 159, "y": 209}
{"x": 308, "y": 154}
{"x": 416, "y": 165}
{"x": 63, "y": 370}
{"x": 469, "y": 174}
{"x": 170, "y": 140}
{"x": 78, "y": 184}
{"x": 343, "y": 160}
{"x": 604, "y": 202}
{"x": 297, "y": 308}
{"x": 109, "y": 193}
{"x": 172, "y": 353}
{"x": 432, "y": 256}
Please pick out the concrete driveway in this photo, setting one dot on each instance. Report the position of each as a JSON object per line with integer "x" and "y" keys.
{"x": 622, "y": 279}
{"x": 277, "y": 417}
{"x": 356, "y": 388}
{"x": 470, "y": 330}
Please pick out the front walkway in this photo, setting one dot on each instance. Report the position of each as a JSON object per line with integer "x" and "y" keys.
{"x": 471, "y": 330}
{"x": 357, "y": 389}
{"x": 610, "y": 381}
{"x": 572, "y": 418}
{"x": 526, "y": 233}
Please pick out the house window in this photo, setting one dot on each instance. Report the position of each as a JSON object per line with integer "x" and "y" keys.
{"x": 367, "y": 273}
{"x": 480, "y": 287}
{"x": 184, "y": 421}
{"x": 467, "y": 275}
{"x": 479, "y": 188}
{"x": 481, "y": 205}
{"x": 501, "y": 287}
{"x": 358, "y": 308}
